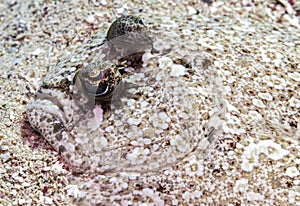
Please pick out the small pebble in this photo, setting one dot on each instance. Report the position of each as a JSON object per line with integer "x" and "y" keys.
{"x": 177, "y": 70}
{"x": 258, "y": 103}
{"x": 90, "y": 19}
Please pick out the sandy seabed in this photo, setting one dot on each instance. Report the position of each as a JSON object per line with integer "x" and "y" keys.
{"x": 254, "y": 49}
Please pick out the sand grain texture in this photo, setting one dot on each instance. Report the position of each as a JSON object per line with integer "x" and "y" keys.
{"x": 255, "y": 52}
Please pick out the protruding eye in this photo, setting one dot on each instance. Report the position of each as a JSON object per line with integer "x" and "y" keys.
{"x": 98, "y": 81}
{"x": 128, "y": 39}
{"x": 125, "y": 25}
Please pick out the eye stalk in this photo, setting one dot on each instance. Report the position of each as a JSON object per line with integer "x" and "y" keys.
{"x": 128, "y": 39}
{"x": 98, "y": 81}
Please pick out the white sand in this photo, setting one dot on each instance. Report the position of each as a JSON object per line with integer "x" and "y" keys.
{"x": 256, "y": 51}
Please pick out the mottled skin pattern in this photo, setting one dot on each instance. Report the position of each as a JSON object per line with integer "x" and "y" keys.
{"x": 71, "y": 89}
{"x": 153, "y": 127}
